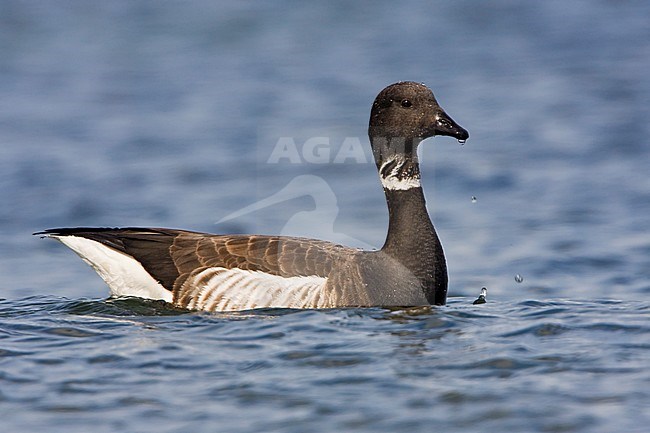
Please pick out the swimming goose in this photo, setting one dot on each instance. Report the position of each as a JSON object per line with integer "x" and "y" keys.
{"x": 202, "y": 271}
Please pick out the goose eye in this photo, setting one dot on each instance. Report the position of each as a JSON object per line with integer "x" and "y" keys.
{"x": 406, "y": 103}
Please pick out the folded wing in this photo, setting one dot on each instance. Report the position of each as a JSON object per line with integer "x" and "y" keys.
{"x": 217, "y": 272}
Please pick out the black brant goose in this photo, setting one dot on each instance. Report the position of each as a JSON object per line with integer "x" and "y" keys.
{"x": 211, "y": 272}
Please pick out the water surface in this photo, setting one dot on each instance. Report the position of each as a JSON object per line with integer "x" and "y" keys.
{"x": 562, "y": 365}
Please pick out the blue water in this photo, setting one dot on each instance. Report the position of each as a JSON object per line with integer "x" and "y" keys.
{"x": 130, "y": 365}
{"x": 168, "y": 114}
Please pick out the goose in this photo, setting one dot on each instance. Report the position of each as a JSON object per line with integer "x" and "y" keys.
{"x": 211, "y": 272}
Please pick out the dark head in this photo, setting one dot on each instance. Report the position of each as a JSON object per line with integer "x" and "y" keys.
{"x": 406, "y": 113}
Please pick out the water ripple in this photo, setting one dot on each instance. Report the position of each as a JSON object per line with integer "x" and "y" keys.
{"x": 370, "y": 368}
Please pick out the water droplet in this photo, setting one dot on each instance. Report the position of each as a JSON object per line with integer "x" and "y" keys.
{"x": 519, "y": 278}
{"x": 473, "y": 199}
{"x": 481, "y": 297}
{"x": 462, "y": 142}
